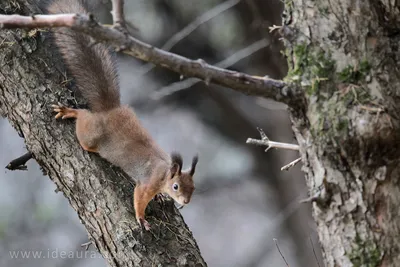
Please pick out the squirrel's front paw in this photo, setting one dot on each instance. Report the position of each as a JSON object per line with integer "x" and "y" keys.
{"x": 144, "y": 223}
{"x": 159, "y": 198}
{"x": 64, "y": 112}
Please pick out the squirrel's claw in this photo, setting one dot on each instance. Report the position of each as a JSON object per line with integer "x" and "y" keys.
{"x": 159, "y": 198}
{"x": 64, "y": 112}
{"x": 144, "y": 224}
{"x": 59, "y": 109}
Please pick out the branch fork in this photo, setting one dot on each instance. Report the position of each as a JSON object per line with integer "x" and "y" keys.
{"x": 264, "y": 141}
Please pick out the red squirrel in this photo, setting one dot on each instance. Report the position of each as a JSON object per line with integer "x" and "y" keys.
{"x": 112, "y": 130}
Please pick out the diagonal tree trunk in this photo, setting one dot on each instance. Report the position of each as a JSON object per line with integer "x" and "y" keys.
{"x": 345, "y": 55}
{"x": 31, "y": 80}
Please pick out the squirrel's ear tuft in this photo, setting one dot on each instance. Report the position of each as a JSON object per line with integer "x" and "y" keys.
{"x": 174, "y": 169}
{"x": 176, "y": 164}
{"x": 194, "y": 163}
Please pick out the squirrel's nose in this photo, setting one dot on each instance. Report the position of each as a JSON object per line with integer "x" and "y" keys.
{"x": 186, "y": 201}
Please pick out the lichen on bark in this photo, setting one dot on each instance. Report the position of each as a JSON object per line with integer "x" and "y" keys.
{"x": 350, "y": 137}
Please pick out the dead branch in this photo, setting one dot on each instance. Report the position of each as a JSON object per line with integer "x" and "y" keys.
{"x": 290, "y": 165}
{"x": 185, "y": 84}
{"x": 19, "y": 163}
{"x": 241, "y": 82}
{"x": 264, "y": 141}
{"x": 118, "y": 13}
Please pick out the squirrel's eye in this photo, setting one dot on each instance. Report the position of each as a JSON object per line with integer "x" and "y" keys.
{"x": 175, "y": 186}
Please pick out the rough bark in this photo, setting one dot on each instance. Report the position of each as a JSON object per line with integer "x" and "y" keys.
{"x": 345, "y": 55}
{"x": 32, "y": 79}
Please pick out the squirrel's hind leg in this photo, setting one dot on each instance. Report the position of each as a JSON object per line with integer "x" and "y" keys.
{"x": 88, "y": 128}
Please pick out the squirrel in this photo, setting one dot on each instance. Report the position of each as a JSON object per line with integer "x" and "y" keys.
{"x": 111, "y": 129}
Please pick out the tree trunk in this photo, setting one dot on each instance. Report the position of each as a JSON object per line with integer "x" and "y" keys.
{"x": 345, "y": 55}
{"x": 31, "y": 80}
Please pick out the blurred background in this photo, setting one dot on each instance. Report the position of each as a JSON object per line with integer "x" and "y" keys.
{"x": 242, "y": 200}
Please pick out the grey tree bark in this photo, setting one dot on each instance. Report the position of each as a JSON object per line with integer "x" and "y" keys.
{"x": 32, "y": 79}
{"x": 345, "y": 55}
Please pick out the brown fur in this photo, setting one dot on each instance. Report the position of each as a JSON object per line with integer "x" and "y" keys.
{"x": 92, "y": 65}
{"x": 113, "y": 130}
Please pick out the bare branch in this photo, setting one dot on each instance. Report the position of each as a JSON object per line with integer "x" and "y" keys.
{"x": 118, "y": 13}
{"x": 312, "y": 198}
{"x": 264, "y": 141}
{"x": 177, "y": 37}
{"x": 241, "y": 82}
{"x": 290, "y": 165}
{"x": 19, "y": 163}
{"x": 212, "y": 13}
{"x": 37, "y": 21}
{"x": 277, "y": 246}
{"x": 87, "y": 245}
{"x": 315, "y": 254}
{"x": 270, "y": 144}
{"x": 239, "y": 55}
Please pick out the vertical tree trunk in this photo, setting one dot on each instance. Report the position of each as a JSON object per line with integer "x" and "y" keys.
{"x": 31, "y": 80}
{"x": 345, "y": 55}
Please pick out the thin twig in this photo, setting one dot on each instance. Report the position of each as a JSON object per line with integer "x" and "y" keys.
{"x": 270, "y": 144}
{"x": 274, "y": 27}
{"x": 119, "y": 21}
{"x": 237, "y": 56}
{"x": 19, "y": 163}
{"x": 312, "y": 198}
{"x": 210, "y": 14}
{"x": 276, "y": 243}
{"x": 118, "y": 13}
{"x": 313, "y": 249}
{"x": 177, "y": 37}
{"x": 241, "y": 82}
{"x": 290, "y": 165}
{"x": 86, "y": 245}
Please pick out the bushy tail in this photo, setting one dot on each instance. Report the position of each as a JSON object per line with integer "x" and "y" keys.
{"x": 92, "y": 66}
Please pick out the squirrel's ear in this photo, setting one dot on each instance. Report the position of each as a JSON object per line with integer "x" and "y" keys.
{"x": 176, "y": 164}
{"x": 194, "y": 163}
{"x": 174, "y": 169}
